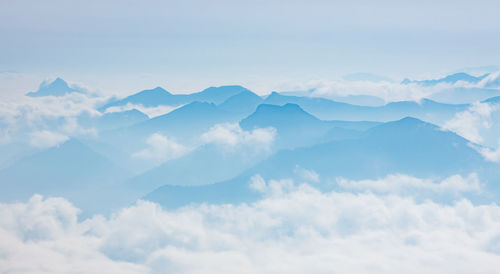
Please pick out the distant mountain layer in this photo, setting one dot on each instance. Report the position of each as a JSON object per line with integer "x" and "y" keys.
{"x": 58, "y": 87}
{"x": 450, "y": 79}
{"x": 112, "y": 120}
{"x": 325, "y": 109}
{"x": 158, "y": 96}
{"x": 407, "y": 146}
{"x": 294, "y": 126}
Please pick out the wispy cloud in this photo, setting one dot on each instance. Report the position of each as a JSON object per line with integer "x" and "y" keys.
{"x": 469, "y": 123}
{"x": 45, "y": 139}
{"x": 150, "y": 111}
{"x": 400, "y": 183}
{"x": 161, "y": 148}
{"x": 232, "y": 135}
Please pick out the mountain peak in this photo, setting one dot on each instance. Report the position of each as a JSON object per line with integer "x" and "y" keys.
{"x": 243, "y": 102}
{"x": 275, "y": 115}
{"x": 156, "y": 90}
{"x": 58, "y": 87}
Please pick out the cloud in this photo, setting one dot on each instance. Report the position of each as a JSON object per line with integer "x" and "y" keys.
{"x": 44, "y": 236}
{"x": 306, "y": 175}
{"x": 469, "y": 123}
{"x": 45, "y": 139}
{"x": 19, "y": 117}
{"x": 388, "y": 91}
{"x": 161, "y": 148}
{"x": 400, "y": 183}
{"x": 492, "y": 155}
{"x": 150, "y": 111}
{"x": 491, "y": 81}
{"x": 297, "y": 229}
{"x": 233, "y": 135}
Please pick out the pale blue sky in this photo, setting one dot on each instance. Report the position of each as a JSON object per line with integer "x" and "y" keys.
{"x": 187, "y": 45}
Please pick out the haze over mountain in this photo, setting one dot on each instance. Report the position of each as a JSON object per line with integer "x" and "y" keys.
{"x": 449, "y": 79}
{"x": 71, "y": 170}
{"x": 407, "y": 146}
{"x": 247, "y": 134}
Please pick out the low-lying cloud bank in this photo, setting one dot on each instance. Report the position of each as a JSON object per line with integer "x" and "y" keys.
{"x": 294, "y": 229}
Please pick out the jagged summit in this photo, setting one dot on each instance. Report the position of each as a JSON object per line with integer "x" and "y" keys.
{"x": 58, "y": 87}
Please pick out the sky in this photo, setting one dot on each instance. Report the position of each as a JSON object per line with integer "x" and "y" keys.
{"x": 125, "y": 46}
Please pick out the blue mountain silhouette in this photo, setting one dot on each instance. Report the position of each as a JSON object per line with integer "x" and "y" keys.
{"x": 58, "y": 87}
{"x": 408, "y": 146}
{"x": 450, "y": 79}
{"x": 71, "y": 169}
{"x": 158, "y": 96}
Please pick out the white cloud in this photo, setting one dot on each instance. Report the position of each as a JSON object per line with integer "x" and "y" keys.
{"x": 297, "y": 229}
{"x": 19, "y": 117}
{"x": 492, "y": 155}
{"x": 149, "y": 111}
{"x": 306, "y": 175}
{"x": 44, "y": 236}
{"x": 469, "y": 123}
{"x": 161, "y": 148}
{"x": 399, "y": 183}
{"x": 233, "y": 135}
{"x": 45, "y": 139}
{"x": 388, "y": 91}
{"x": 491, "y": 81}
{"x": 71, "y": 127}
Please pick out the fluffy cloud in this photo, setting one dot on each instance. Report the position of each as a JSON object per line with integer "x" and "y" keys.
{"x": 479, "y": 124}
{"x": 161, "y": 148}
{"x": 233, "y": 135}
{"x": 45, "y": 139}
{"x": 44, "y": 236}
{"x": 150, "y": 111}
{"x": 294, "y": 229}
{"x": 388, "y": 91}
{"x": 19, "y": 117}
{"x": 400, "y": 183}
{"x": 469, "y": 123}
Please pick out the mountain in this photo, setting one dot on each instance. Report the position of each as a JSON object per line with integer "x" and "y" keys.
{"x": 244, "y": 102}
{"x": 71, "y": 169}
{"x": 112, "y": 120}
{"x": 58, "y": 87}
{"x": 450, "y": 79}
{"x": 147, "y": 98}
{"x": 158, "y": 96}
{"x": 217, "y": 95}
{"x": 295, "y": 127}
{"x": 408, "y": 146}
{"x": 184, "y": 124}
{"x": 325, "y": 109}
{"x": 187, "y": 121}
{"x": 198, "y": 168}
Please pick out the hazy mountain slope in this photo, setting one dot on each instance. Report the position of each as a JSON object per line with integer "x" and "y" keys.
{"x": 71, "y": 169}
{"x": 407, "y": 146}
{"x": 159, "y": 96}
{"x": 325, "y": 109}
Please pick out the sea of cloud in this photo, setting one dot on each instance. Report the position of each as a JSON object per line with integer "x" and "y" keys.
{"x": 294, "y": 228}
